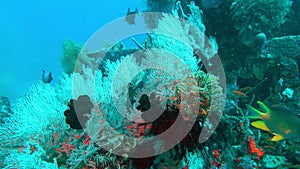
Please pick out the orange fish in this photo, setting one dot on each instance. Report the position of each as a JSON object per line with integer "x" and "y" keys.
{"x": 173, "y": 98}
{"x": 238, "y": 93}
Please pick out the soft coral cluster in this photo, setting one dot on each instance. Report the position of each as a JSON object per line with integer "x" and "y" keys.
{"x": 253, "y": 149}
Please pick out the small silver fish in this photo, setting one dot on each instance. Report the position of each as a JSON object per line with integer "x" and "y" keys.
{"x": 46, "y": 78}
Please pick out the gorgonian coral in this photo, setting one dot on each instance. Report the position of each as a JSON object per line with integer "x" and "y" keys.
{"x": 118, "y": 96}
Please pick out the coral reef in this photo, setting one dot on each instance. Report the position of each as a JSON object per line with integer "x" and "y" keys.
{"x": 288, "y": 28}
{"x": 286, "y": 46}
{"x": 5, "y": 110}
{"x": 260, "y": 16}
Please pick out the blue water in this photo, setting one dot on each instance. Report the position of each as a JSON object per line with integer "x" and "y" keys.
{"x": 32, "y": 32}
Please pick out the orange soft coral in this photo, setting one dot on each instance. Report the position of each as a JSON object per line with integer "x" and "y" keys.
{"x": 254, "y": 149}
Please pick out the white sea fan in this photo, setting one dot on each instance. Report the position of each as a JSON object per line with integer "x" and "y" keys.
{"x": 37, "y": 116}
{"x": 36, "y": 112}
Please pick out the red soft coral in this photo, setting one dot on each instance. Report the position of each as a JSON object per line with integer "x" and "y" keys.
{"x": 254, "y": 149}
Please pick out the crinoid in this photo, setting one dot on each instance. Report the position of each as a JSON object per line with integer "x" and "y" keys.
{"x": 195, "y": 93}
{"x": 101, "y": 161}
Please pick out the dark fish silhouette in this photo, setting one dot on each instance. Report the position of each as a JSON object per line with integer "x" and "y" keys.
{"x": 144, "y": 103}
{"x": 46, "y": 78}
{"x": 130, "y": 16}
{"x": 78, "y": 109}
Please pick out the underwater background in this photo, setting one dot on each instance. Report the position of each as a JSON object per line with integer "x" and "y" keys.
{"x": 150, "y": 84}
{"x": 37, "y": 29}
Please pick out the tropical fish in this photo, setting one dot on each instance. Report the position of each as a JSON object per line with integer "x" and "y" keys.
{"x": 238, "y": 93}
{"x": 130, "y": 16}
{"x": 46, "y": 78}
{"x": 76, "y": 115}
{"x": 278, "y": 120}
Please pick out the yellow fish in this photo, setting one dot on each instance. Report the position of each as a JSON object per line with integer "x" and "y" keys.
{"x": 278, "y": 120}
